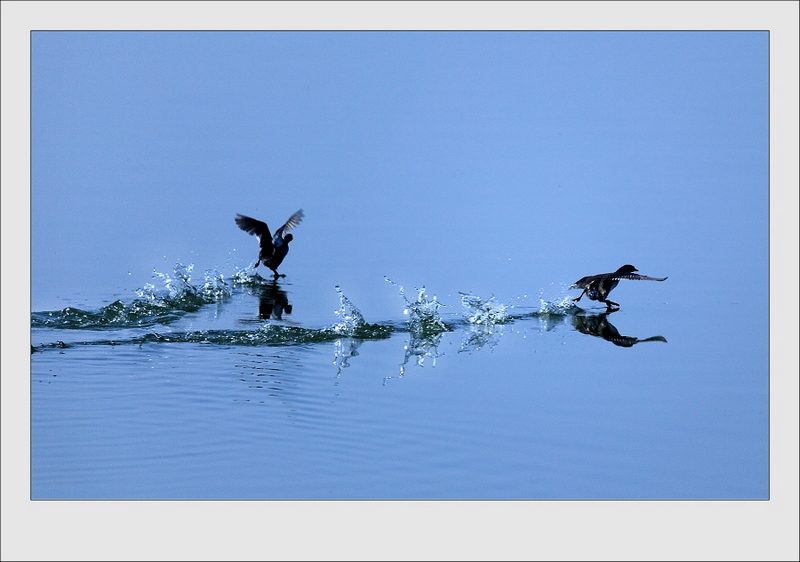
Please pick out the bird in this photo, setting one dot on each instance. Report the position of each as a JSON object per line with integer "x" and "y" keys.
{"x": 597, "y": 287}
{"x": 273, "y": 249}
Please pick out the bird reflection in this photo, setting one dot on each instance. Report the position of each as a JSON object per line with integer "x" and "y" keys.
{"x": 599, "y": 326}
{"x": 273, "y": 302}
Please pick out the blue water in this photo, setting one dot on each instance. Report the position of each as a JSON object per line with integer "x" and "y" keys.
{"x": 187, "y": 391}
{"x": 455, "y": 185}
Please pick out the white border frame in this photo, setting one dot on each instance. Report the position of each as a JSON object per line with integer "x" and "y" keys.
{"x": 375, "y": 530}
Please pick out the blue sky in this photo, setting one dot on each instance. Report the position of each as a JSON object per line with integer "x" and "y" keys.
{"x": 438, "y": 148}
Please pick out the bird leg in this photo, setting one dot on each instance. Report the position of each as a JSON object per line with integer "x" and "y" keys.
{"x": 579, "y": 298}
{"x": 611, "y": 304}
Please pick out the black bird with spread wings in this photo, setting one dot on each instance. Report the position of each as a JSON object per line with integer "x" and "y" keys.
{"x": 273, "y": 248}
{"x": 597, "y": 287}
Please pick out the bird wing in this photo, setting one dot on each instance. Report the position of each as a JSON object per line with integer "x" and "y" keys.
{"x": 637, "y": 277}
{"x": 253, "y": 226}
{"x": 293, "y": 221}
{"x": 582, "y": 282}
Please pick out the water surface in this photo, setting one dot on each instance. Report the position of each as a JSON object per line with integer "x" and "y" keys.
{"x": 214, "y": 391}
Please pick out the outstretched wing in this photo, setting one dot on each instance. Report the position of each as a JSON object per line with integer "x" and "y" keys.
{"x": 259, "y": 229}
{"x": 637, "y": 277}
{"x": 582, "y": 282}
{"x": 293, "y": 221}
{"x": 256, "y": 227}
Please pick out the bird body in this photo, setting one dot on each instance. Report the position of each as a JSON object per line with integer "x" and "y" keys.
{"x": 272, "y": 249}
{"x": 597, "y": 287}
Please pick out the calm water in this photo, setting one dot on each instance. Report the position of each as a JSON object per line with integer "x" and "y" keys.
{"x": 454, "y": 186}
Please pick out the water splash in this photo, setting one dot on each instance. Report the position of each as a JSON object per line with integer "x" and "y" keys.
{"x": 215, "y": 287}
{"x": 179, "y": 283}
{"x": 485, "y": 319}
{"x": 352, "y": 323}
{"x": 351, "y": 319}
{"x": 425, "y": 327}
{"x": 423, "y": 313}
{"x": 151, "y": 306}
{"x": 477, "y": 311}
{"x": 242, "y": 278}
{"x": 560, "y": 306}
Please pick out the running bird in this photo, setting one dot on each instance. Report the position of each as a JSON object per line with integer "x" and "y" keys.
{"x": 597, "y": 287}
{"x": 273, "y": 248}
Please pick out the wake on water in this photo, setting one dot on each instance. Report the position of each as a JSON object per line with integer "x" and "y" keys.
{"x": 481, "y": 320}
